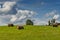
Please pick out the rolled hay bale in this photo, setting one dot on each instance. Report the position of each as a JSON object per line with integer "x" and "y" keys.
{"x": 20, "y": 27}
{"x": 55, "y": 25}
{"x": 10, "y": 25}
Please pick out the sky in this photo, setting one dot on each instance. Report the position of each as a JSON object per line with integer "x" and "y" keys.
{"x": 39, "y": 11}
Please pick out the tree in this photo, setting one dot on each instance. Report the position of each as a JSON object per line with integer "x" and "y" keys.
{"x": 29, "y": 22}
{"x": 49, "y": 22}
{"x": 53, "y": 21}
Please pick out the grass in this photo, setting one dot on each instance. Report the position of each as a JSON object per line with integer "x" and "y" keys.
{"x": 30, "y": 33}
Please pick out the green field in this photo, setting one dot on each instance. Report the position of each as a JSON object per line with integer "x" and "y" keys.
{"x": 30, "y": 33}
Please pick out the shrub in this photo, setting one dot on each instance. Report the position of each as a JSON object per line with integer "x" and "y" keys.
{"x": 29, "y": 22}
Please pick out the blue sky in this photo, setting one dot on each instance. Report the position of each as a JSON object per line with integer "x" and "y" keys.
{"x": 39, "y": 11}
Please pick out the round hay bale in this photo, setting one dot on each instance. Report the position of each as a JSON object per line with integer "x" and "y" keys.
{"x": 20, "y": 27}
{"x": 10, "y": 25}
{"x": 55, "y": 25}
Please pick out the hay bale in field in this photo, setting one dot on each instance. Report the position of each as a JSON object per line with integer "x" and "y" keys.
{"x": 10, "y": 25}
{"x": 20, "y": 27}
{"x": 55, "y": 25}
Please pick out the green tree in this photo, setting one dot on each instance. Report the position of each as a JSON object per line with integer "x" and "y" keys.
{"x": 49, "y": 22}
{"x": 53, "y": 21}
{"x": 29, "y": 22}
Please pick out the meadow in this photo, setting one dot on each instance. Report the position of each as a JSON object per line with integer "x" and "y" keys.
{"x": 30, "y": 33}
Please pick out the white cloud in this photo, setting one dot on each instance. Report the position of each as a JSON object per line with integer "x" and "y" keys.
{"x": 19, "y": 16}
{"x": 22, "y": 17}
{"x": 22, "y": 14}
{"x": 7, "y": 17}
{"x": 38, "y": 21}
{"x": 25, "y": 12}
{"x": 4, "y": 19}
{"x": 52, "y": 13}
{"x": 56, "y": 16}
{"x": 7, "y": 6}
{"x": 14, "y": 18}
{"x": 7, "y": 9}
{"x": 58, "y": 21}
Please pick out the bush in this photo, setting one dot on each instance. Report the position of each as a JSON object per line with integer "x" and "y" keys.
{"x": 29, "y": 22}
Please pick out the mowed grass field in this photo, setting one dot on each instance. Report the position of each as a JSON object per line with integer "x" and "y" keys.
{"x": 30, "y": 33}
